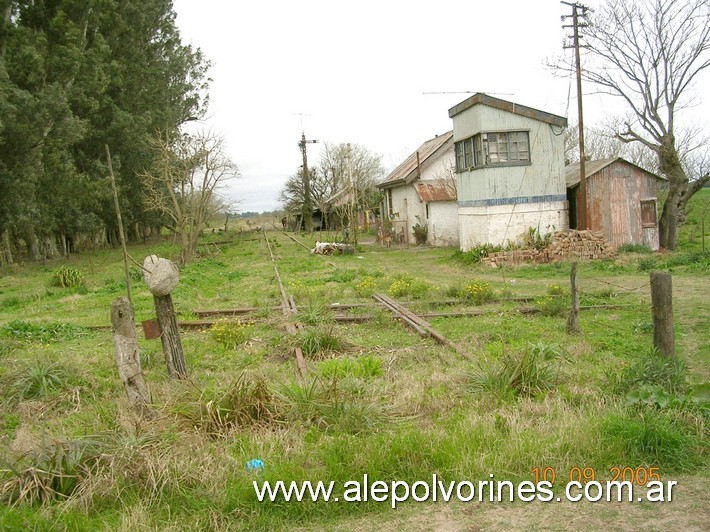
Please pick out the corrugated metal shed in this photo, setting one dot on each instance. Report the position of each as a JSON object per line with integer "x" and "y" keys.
{"x": 428, "y": 191}
{"x": 618, "y": 192}
{"x": 406, "y": 172}
{"x": 592, "y": 167}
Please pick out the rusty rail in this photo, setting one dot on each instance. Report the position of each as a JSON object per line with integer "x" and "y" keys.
{"x": 289, "y": 309}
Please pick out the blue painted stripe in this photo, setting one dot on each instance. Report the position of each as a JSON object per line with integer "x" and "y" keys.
{"x": 512, "y": 201}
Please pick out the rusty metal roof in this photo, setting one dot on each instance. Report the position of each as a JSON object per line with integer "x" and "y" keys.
{"x": 407, "y": 170}
{"x": 435, "y": 191}
{"x": 505, "y": 105}
{"x": 592, "y": 167}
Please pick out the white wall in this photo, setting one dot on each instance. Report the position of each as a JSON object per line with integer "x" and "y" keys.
{"x": 443, "y": 223}
{"x": 406, "y": 206}
{"x": 499, "y": 224}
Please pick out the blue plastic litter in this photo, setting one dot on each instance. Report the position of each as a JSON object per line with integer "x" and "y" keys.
{"x": 255, "y": 465}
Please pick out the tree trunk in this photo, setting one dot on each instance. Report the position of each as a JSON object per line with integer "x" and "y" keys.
{"x": 128, "y": 355}
{"x": 32, "y": 245}
{"x": 6, "y": 247}
{"x": 674, "y": 206}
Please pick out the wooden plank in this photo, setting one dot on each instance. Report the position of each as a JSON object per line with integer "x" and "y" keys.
{"x": 413, "y": 324}
{"x": 419, "y": 324}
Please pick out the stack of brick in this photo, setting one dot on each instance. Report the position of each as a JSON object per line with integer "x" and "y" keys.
{"x": 578, "y": 245}
{"x": 564, "y": 245}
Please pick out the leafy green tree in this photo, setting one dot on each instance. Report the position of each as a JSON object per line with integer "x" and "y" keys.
{"x": 76, "y": 75}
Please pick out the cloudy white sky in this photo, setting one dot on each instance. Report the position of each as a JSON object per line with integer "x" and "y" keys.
{"x": 357, "y": 72}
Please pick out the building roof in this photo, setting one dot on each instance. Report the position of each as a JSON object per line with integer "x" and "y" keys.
{"x": 483, "y": 99}
{"x": 408, "y": 169}
{"x": 435, "y": 191}
{"x": 592, "y": 167}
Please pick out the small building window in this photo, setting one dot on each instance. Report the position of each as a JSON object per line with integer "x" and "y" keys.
{"x": 493, "y": 149}
{"x": 427, "y": 210}
{"x": 649, "y": 216}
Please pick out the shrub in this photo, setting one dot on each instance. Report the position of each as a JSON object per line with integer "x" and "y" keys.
{"x": 314, "y": 313}
{"x": 478, "y": 291}
{"x": 532, "y": 238}
{"x": 551, "y": 305}
{"x": 400, "y": 286}
{"x": 420, "y": 231}
{"x": 475, "y": 254}
{"x": 66, "y": 277}
{"x": 52, "y": 472}
{"x": 655, "y": 370}
{"x": 647, "y": 264}
{"x": 533, "y": 369}
{"x": 231, "y": 334}
{"x": 315, "y": 343}
{"x": 405, "y": 285}
{"x": 332, "y": 407}
{"x": 246, "y": 401}
{"x": 556, "y": 290}
{"x": 39, "y": 378}
{"x": 366, "y": 287}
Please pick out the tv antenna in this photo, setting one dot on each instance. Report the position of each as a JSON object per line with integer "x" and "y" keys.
{"x": 470, "y": 92}
{"x": 301, "y": 115}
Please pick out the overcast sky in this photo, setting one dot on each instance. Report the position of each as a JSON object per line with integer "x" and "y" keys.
{"x": 358, "y": 72}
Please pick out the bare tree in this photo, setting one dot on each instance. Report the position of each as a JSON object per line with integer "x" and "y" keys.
{"x": 291, "y": 195}
{"x": 600, "y": 142}
{"x": 353, "y": 169}
{"x": 446, "y": 177}
{"x": 649, "y": 53}
{"x": 184, "y": 182}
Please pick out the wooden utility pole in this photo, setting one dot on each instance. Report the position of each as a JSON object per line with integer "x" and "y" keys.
{"x": 353, "y": 197}
{"x": 121, "y": 235}
{"x": 307, "y": 210}
{"x": 662, "y": 312}
{"x": 576, "y": 24}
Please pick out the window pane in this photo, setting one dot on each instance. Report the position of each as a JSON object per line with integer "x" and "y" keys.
{"x": 468, "y": 153}
{"x": 477, "y": 150}
{"x": 459, "y": 156}
{"x": 648, "y": 212}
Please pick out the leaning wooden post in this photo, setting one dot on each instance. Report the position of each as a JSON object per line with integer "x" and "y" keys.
{"x": 162, "y": 276}
{"x": 128, "y": 355}
{"x": 662, "y": 312}
{"x": 573, "y": 318}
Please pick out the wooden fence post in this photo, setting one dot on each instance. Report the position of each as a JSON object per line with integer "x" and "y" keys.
{"x": 128, "y": 355}
{"x": 573, "y": 318}
{"x": 162, "y": 276}
{"x": 662, "y": 312}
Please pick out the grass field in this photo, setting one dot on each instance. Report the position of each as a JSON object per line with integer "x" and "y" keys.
{"x": 378, "y": 399}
